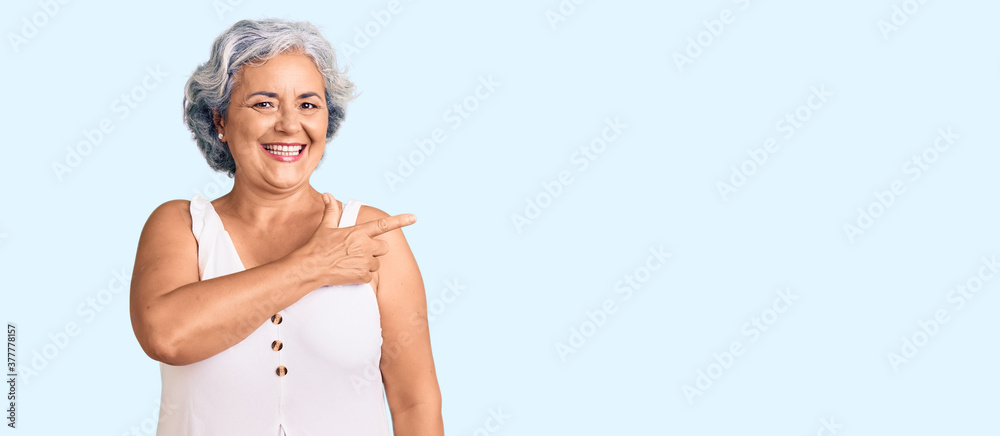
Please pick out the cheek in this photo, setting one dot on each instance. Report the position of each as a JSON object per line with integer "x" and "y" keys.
{"x": 317, "y": 128}
{"x": 249, "y": 125}
{"x": 255, "y": 126}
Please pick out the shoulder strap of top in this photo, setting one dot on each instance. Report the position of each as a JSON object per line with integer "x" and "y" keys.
{"x": 199, "y": 216}
{"x": 350, "y": 213}
{"x": 217, "y": 255}
{"x": 205, "y": 225}
{"x": 205, "y": 222}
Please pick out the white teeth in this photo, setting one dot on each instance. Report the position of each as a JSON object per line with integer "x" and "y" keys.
{"x": 283, "y": 150}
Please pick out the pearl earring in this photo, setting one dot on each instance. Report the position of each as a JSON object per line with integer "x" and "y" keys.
{"x": 220, "y": 136}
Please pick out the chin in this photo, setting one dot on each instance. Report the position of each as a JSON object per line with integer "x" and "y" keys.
{"x": 288, "y": 179}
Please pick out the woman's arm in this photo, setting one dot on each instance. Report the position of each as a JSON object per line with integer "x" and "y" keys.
{"x": 407, "y": 365}
{"x": 179, "y": 319}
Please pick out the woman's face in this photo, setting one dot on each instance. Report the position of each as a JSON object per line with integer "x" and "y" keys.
{"x": 277, "y": 120}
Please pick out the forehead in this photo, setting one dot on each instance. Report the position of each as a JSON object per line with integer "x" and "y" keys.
{"x": 287, "y": 71}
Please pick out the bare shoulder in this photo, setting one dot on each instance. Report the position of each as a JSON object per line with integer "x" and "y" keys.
{"x": 173, "y": 212}
{"x": 167, "y": 233}
{"x": 398, "y": 265}
{"x": 167, "y": 255}
{"x": 169, "y": 223}
{"x": 370, "y": 213}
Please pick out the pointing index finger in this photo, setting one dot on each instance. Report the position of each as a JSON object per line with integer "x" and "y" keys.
{"x": 382, "y": 225}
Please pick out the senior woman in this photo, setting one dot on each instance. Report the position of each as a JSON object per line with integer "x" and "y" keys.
{"x": 275, "y": 309}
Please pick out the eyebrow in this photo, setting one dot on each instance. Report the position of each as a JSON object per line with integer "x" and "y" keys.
{"x": 275, "y": 95}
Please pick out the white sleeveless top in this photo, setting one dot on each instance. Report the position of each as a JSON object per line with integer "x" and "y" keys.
{"x": 326, "y": 348}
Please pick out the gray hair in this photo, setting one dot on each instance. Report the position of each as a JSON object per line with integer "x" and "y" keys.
{"x": 253, "y": 42}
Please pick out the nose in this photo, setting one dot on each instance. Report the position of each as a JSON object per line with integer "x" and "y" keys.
{"x": 287, "y": 120}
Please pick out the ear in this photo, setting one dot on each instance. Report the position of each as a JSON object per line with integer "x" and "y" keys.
{"x": 219, "y": 127}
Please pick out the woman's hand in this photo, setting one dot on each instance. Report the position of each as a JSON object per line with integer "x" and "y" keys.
{"x": 340, "y": 256}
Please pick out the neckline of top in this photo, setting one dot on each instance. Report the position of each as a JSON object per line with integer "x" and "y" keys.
{"x": 232, "y": 245}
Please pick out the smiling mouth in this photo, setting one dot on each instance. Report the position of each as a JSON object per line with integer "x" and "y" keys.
{"x": 284, "y": 150}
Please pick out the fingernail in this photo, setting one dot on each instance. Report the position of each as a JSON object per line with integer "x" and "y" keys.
{"x": 326, "y": 198}
{"x": 411, "y": 218}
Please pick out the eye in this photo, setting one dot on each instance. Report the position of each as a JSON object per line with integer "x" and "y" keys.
{"x": 308, "y": 105}
{"x": 261, "y": 104}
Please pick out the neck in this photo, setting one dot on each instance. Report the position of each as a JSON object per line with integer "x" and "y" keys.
{"x": 261, "y": 207}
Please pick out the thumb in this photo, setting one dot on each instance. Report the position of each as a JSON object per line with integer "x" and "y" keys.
{"x": 331, "y": 214}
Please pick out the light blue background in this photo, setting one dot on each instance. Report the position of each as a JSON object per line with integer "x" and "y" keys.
{"x": 495, "y": 346}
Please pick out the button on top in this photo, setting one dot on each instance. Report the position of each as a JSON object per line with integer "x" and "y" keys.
{"x": 277, "y": 345}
